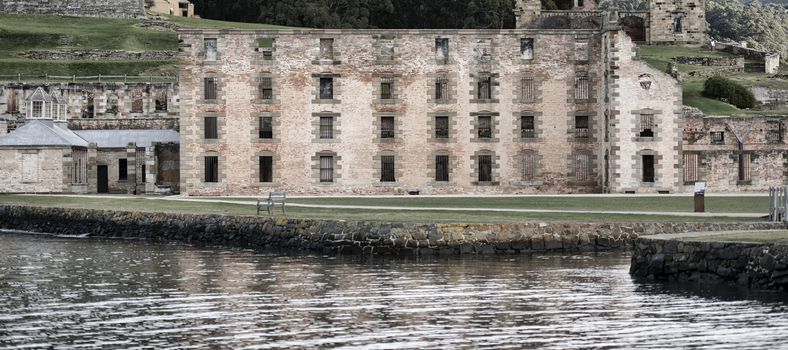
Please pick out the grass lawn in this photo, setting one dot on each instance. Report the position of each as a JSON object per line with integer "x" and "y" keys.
{"x": 156, "y": 204}
{"x": 777, "y": 237}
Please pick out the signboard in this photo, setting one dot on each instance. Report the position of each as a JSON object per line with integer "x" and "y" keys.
{"x": 700, "y": 188}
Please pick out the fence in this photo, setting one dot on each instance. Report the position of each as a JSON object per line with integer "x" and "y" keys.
{"x": 89, "y": 78}
{"x": 778, "y": 204}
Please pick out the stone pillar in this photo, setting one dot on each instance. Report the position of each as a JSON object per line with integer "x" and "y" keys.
{"x": 150, "y": 169}
{"x": 92, "y": 168}
{"x": 131, "y": 168}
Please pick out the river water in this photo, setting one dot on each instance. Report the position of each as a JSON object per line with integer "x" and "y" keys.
{"x": 87, "y": 293}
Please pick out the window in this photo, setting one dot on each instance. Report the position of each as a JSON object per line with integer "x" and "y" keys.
{"x": 527, "y": 130}
{"x": 88, "y": 112}
{"x": 527, "y": 89}
{"x": 326, "y": 169}
{"x": 485, "y": 168}
{"x": 442, "y": 50}
{"x": 136, "y": 101}
{"x": 212, "y": 169}
{"x": 442, "y": 168}
{"x": 691, "y": 167}
{"x": 211, "y": 49}
{"x": 581, "y": 86}
{"x": 161, "y": 102}
{"x": 266, "y": 168}
{"x": 527, "y": 48}
{"x": 38, "y": 108}
{"x": 744, "y": 167}
{"x": 485, "y": 127}
{"x": 266, "y": 46}
{"x": 581, "y": 50}
{"x": 143, "y": 177}
{"x": 211, "y": 128}
{"x": 529, "y": 166}
{"x": 266, "y": 88}
{"x": 387, "y": 127}
{"x": 647, "y": 125}
{"x": 210, "y": 88}
{"x": 386, "y": 49}
{"x": 582, "y": 167}
{"x": 441, "y": 127}
{"x": 581, "y": 127}
{"x": 677, "y": 28}
{"x": 327, "y": 88}
{"x": 386, "y": 85}
{"x": 387, "y": 169}
{"x": 717, "y": 137}
{"x": 266, "y": 127}
{"x": 483, "y": 50}
{"x": 484, "y": 86}
{"x": 326, "y": 49}
{"x": 326, "y": 127}
{"x": 442, "y": 88}
{"x": 648, "y": 168}
{"x": 123, "y": 170}
{"x": 774, "y": 133}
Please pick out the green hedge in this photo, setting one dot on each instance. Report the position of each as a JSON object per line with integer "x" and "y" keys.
{"x": 727, "y": 90}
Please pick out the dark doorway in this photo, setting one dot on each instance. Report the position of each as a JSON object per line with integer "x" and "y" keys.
{"x": 648, "y": 168}
{"x": 635, "y": 27}
{"x": 102, "y": 179}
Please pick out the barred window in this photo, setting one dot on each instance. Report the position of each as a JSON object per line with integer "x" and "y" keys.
{"x": 774, "y": 133}
{"x": 441, "y": 127}
{"x": 527, "y": 89}
{"x": 441, "y": 168}
{"x": 211, "y": 127}
{"x": 646, "y": 125}
{"x": 717, "y": 137}
{"x": 209, "y": 88}
{"x": 527, "y": 48}
{"x": 582, "y": 167}
{"x": 442, "y": 50}
{"x": 485, "y": 127}
{"x": 327, "y": 88}
{"x": 266, "y": 168}
{"x": 387, "y": 169}
{"x": 529, "y": 166}
{"x": 326, "y": 169}
{"x": 265, "y": 127}
{"x": 527, "y": 129}
{"x": 484, "y": 86}
{"x": 648, "y": 168}
{"x": 582, "y": 127}
{"x": 326, "y": 127}
{"x": 485, "y": 168}
{"x": 386, "y": 86}
{"x": 266, "y": 88}
{"x": 744, "y": 167}
{"x": 211, "y": 49}
{"x": 442, "y": 88}
{"x": 211, "y": 169}
{"x": 387, "y": 127}
{"x": 691, "y": 167}
{"x": 581, "y": 86}
{"x": 326, "y": 49}
{"x": 123, "y": 169}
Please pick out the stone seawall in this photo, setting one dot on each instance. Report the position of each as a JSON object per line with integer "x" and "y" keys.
{"x": 759, "y": 266}
{"x": 344, "y": 236}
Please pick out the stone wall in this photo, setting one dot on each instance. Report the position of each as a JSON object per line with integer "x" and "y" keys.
{"x": 169, "y": 123}
{"x": 771, "y": 60}
{"x": 665, "y": 17}
{"x": 86, "y": 8}
{"x": 761, "y": 266}
{"x": 770, "y": 98}
{"x": 343, "y": 236}
{"x": 99, "y": 55}
{"x": 35, "y": 170}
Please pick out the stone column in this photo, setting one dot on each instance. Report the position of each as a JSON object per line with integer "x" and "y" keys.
{"x": 150, "y": 169}
{"x": 131, "y": 168}
{"x": 92, "y": 168}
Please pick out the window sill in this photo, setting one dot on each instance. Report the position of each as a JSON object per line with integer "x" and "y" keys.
{"x": 272, "y": 140}
{"x": 529, "y": 139}
{"x": 326, "y": 184}
{"x": 386, "y": 140}
{"x": 386, "y": 101}
{"x": 326, "y": 101}
{"x": 484, "y": 140}
{"x": 485, "y": 183}
{"x": 442, "y": 183}
{"x": 485, "y": 101}
{"x": 743, "y": 183}
{"x": 265, "y": 102}
{"x": 326, "y": 62}
{"x": 387, "y": 184}
{"x": 645, "y": 139}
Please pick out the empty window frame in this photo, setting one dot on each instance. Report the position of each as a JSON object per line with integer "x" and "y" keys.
{"x": 387, "y": 127}
{"x": 529, "y": 166}
{"x": 265, "y": 127}
{"x": 387, "y": 169}
{"x": 483, "y": 50}
{"x": 211, "y": 127}
{"x": 691, "y": 167}
{"x": 484, "y": 87}
{"x": 266, "y": 88}
{"x": 266, "y": 169}
{"x": 441, "y": 127}
{"x": 209, "y": 88}
{"x": 527, "y": 127}
{"x": 326, "y": 49}
{"x": 527, "y": 89}
{"x": 582, "y": 130}
{"x": 123, "y": 169}
{"x": 211, "y": 49}
{"x": 717, "y": 137}
{"x": 386, "y": 87}
{"x": 485, "y": 168}
{"x": 326, "y": 88}
{"x": 442, "y": 88}
{"x": 211, "y": 169}
{"x": 582, "y": 167}
{"x": 326, "y": 127}
{"x": 527, "y": 48}
{"x": 386, "y": 49}
{"x": 646, "y": 125}
{"x": 582, "y": 83}
{"x": 648, "y": 168}
{"x": 485, "y": 127}
{"x": 442, "y": 168}
{"x": 326, "y": 169}
{"x": 442, "y": 50}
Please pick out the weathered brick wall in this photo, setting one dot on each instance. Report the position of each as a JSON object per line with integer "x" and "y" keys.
{"x": 43, "y": 173}
{"x": 87, "y": 8}
{"x": 662, "y": 17}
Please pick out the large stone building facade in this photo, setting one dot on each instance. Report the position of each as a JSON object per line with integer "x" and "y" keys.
{"x": 433, "y": 111}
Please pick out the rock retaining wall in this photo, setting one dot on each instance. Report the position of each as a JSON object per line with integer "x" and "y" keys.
{"x": 344, "y": 236}
{"x": 99, "y": 55}
{"x": 760, "y": 266}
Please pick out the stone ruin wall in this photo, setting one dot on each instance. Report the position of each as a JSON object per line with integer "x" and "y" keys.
{"x": 82, "y": 8}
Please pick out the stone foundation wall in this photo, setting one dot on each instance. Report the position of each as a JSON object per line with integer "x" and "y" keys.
{"x": 86, "y": 8}
{"x": 124, "y": 124}
{"x": 344, "y": 236}
{"x": 761, "y": 266}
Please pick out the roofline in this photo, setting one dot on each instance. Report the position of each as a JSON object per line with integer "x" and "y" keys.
{"x": 196, "y": 31}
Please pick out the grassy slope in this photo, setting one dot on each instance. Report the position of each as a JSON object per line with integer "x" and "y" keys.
{"x": 777, "y": 237}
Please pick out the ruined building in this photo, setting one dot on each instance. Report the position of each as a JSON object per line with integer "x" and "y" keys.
{"x": 84, "y": 8}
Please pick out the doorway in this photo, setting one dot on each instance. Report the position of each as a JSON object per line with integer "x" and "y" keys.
{"x": 648, "y": 168}
{"x": 102, "y": 179}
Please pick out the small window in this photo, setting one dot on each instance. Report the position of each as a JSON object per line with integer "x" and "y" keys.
{"x": 582, "y": 167}
{"x": 441, "y": 127}
{"x": 387, "y": 127}
{"x": 327, "y": 88}
{"x": 326, "y": 49}
{"x": 266, "y": 127}
{"x": 691, "y": 167}
{"x": 527, "y": 89}
{"x": 717, "y": 137}
{"x": 582, "y": 127}
{"x": 386, "y": 49}
{"x": 485, "y": 168}
{"x": 210, "y": 88}
{"x": 442, "y": 50}
{"x": 266, "y": 47}
{"x": 123, "y": 169}
{"x": 387, "y": 169}
{"x": 484, "y": 86}
{"x": 648, "y": 168}
{"x": 212, "y": 169}
{"x": 442, "y": 88}
{"x": 211, "y": 49}
{"x": 527, "y": 48}
{"x": 774, "y": 133}
{"x": 38, "y": 108}
{"x": 646, "y": 125}
{"x": 386, "y": 86}
{"x": 211, "y": 128}
{"x": 581, "y": 86}
{"x": 441, "y": 168}
{"x": 161, "y": 102}
{"x": 529, "y": 166}
{"x": 326, "y": 127}
{"x": 677, "y": 27}
{"x": 266, "y": 88}
{"x": 483, "y": 50}
{"x": 143, "y": 174}
{"x": 485, "y": 127}
{"x": 266, "y": 168}
{"x": 326, "y": 169}
{"x": 527, "y": 130}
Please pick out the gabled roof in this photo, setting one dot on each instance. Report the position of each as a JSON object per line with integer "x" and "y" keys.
{"x": 58, "y": 99}
{"x": 39, "y": 95}
{"x": 42, "y": 133}
{"x": 121, "y": 138}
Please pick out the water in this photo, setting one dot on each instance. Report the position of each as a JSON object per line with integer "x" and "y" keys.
{"x": 85, "y": 293}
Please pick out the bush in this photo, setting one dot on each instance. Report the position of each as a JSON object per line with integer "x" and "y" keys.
{"x": 727, "y": 90}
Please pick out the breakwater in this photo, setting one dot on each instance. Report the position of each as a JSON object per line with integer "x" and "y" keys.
{"x": 346, "y": 236}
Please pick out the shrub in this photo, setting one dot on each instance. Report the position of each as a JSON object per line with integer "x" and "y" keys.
{"x": 727, "y": 90}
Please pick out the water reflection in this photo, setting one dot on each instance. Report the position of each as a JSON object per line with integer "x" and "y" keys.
{"x": 104, "y": 294}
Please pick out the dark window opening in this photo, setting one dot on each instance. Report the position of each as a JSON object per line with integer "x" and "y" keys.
{"x": 266, "y": 169}
{"x": 775, "y": 132}
{"x": 527, "y": 48}
{"x": 648, "y": 168}
{"x": 143, "y": 176}
{"x": 161, "y": 103}
{"x": 386, "y": 86}
{"x": 123, "y": 170}
{"x": 387, "y": 127}
{"x": 717, "y": 137}
{"x": 326, "y": 127}
{"x": 266, "y": 88}
{"x": 441, "y": 127}
{"x": 485, "y": 127}
{"x": 326, "y": 169}
{"x": 326, "y": 88}
{"x": 211, "y": 128}
{"x": 89, "y": 107}
{"x": 442, "y": 88}
{"x": 485, "y": 168}
{"x": 387, "y": 169}
{"x": 266, "y": 46}
{"x": 484, "y": 86}
{"x": 677, "y": 28}
{"x": 210, "y": 88}
{"x": 582, "y": 82}
{"x": 442, "y": 50}
{"x": 647, "y": 125}
{"x": 266, "y": 127}
{"x": 442, "y": 168}
{"x": 581, "y": 127}
{"x": 212, "y": 169}
{"x": 527, "y": 128}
